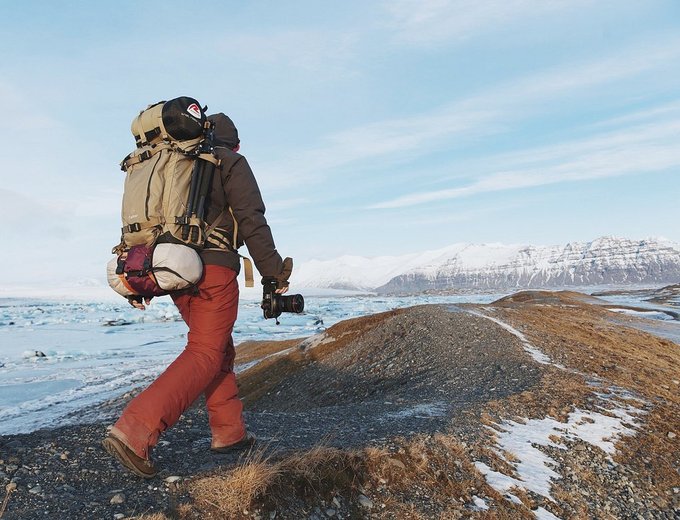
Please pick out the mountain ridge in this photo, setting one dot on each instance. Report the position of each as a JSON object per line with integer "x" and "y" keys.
{"x": 606, "y": 260}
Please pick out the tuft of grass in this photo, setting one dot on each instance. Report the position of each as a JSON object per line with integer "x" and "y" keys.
{"x": 259, "y": 480}
{"x": 231, "y": 492}
{"x": 9, "y": 489}
{"x": 420, "y": 478}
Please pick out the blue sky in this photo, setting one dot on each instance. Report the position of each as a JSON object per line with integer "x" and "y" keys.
{"x": 374, "y": 128}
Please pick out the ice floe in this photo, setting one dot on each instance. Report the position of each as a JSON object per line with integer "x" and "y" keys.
{"x": 651, "y": 314}
{"x": 108, "y": 348}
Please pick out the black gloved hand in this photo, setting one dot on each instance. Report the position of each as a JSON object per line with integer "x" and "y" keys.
{"x": 282, "y": 278}
{"x": 138, "y": 301}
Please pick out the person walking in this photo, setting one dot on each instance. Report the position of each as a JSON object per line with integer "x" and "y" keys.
{"x": 205, "y": 367}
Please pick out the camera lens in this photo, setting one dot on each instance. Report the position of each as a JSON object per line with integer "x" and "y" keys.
{"x": 293, "y": 303}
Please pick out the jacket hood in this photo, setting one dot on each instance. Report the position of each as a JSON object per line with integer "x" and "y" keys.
{"x": 226, "y": 133}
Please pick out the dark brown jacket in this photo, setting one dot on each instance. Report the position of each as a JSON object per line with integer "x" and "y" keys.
{"x": 234, "y": 186}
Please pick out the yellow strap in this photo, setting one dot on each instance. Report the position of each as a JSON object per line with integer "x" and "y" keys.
{"x": 210, "y": 158}
{"x": 210, "y": 230}
{"x": 118, "y": 250}
{"x": 234, "y": 243}
{"x": 248, "y": 269}
{"x": 164, "y": 133}
{"x": 187, "y": 147}
{"x": 247, "y": 264}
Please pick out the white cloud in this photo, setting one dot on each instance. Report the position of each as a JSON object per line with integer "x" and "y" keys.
{"x": 307, "y": 50}
{"x": 634, "y": 150}
{"x": 496, "y": 110}
{"x": 426, "y": 22}
{"x": 627, "y": 63}
{"x": 649, "y": 114}
{"x": 388, "y": 140}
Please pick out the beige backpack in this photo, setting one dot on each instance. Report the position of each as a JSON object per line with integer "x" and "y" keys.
{"x": 167, "y": 184}
{"x": 167, "y": 177}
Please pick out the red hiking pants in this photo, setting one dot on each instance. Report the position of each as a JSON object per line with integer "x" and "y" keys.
{"x": 204, "y": 367}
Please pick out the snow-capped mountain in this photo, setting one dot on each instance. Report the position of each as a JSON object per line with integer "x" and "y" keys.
{"x": 605, "y": 261}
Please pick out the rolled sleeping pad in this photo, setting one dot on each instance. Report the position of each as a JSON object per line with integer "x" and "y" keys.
{"x": 174, "y": 267}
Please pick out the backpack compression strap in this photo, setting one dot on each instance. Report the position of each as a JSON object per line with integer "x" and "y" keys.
{"x": 138, "y": 226}
{"x": 219, "y": 239}
{"x": 131, "y": 159}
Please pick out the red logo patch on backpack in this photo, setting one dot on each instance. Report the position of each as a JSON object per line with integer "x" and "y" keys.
{"x": 194, "y": 110}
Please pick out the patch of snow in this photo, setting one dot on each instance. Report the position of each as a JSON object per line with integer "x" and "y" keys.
{"x": 543, "y": 514}
{"x": 512, "y": 498}
{"x": 479, "y": 503}
{"x": 522, "y": 441}
{"x": 421, "y": 410}
{"x": 602, "y": 430}
{"x": 534, "y": 468}
{"x": 622, "y": 394}
{"x": 315, "y": 340}
{"x": 497, "y": 480}
{"x": 242, "y": 367}
{"x": 538, "y": 356}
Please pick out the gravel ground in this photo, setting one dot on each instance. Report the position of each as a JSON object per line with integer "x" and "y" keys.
{"x": 415, "y": 374}
{"x": 429, "y": 369}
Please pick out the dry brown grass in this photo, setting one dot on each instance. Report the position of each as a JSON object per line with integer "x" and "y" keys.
{"x": 434, "y": 476}
{"x": 586, "y": 338}
{"x": 591, "y": 340}
{"x": 235, "y": 490}
{"x": 261, "y": 482}
{"x": 556, "y": 396}
{"x": 422, "y": 478}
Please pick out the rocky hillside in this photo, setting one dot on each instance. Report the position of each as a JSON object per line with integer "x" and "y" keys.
{"x": 540, "y": 405}
{"x": 498, "y": 267}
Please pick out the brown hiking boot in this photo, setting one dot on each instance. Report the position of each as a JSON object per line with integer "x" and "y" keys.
{"x": 128, "y": 458}
{"x": 246, "y": 442}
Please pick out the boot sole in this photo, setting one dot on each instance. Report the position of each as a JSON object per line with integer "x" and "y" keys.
{"x": 120, "y": 452}
{"x": 244, "y": 443}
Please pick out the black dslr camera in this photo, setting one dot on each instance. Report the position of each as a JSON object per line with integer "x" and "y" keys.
{"x": 274, "y": 304}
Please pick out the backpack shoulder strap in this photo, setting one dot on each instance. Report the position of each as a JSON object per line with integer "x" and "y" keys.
{"x": 212, "y": 227}
{"x": 247, "y": 264}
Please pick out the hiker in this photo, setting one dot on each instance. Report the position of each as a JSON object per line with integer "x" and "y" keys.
{"x": 210, "y": 309}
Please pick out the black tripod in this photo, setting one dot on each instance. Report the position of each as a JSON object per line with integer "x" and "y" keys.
{"x": 201, "y": 181}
